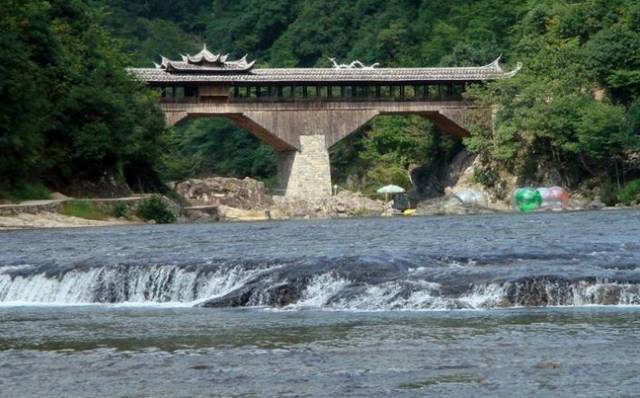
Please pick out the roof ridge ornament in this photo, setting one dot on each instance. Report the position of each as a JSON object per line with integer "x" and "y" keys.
{"x": 205, "y": 62}
{"x": 353, "y": 65}
{"x": 496, "y": 64}
{"x": 497, "y": 68}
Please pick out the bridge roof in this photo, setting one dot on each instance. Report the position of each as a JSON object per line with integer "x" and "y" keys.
{"x": 160, "y": 75}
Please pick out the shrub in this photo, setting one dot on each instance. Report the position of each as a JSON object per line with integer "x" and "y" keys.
{"x": 608, "y": 192}
{"x": 630, "y": 192}
{"x": 119, "y": 210}
{"x": 486, "y": 176}
{"x": 83, "y": 209}
{"x": 154, "y": 208}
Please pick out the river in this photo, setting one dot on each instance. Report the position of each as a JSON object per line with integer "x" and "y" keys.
{"x": 544, "y": 304}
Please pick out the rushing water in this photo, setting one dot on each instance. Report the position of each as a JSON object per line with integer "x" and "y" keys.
{"x": 349, "y": 308}
{"x": 371, "y": 264}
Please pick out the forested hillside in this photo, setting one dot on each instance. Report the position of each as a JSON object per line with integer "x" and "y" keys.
{"x": 69, "y": 113}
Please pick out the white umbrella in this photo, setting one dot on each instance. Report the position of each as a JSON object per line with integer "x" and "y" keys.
{"x": 391, "y": 189}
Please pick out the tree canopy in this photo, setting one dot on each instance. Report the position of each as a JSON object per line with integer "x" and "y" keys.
{"x": 69, "y": 110}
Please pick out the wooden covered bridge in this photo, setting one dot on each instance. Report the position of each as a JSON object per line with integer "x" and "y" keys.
{"x": 302, "y": 112}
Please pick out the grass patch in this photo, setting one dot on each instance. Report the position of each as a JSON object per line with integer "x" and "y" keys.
{"x": 83, "y": 209}
{"x": 26, "y": 191}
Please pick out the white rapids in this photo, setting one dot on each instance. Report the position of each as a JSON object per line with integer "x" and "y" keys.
{"x": 142, "y": 285}
{"x": 168, "y": 284}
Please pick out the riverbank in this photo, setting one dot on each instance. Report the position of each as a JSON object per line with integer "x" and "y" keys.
{"x": 46, "y": 219}
{"x": 54, "y": 220}
{"x": 220, "y": 199}
{"x": 51, "y": 213}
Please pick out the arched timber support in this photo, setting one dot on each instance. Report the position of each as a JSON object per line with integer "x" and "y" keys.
{"x": 302, "y": 133}
{"x": 173, "y": 117}
{"x": 289, "y": 125}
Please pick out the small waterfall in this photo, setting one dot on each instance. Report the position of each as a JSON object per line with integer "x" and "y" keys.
{"x": 299, "y": 285}
{"x": 330, "y": 291}
{"x": 118, "y": 284}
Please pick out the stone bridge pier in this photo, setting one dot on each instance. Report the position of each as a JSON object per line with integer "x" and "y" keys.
{"x": 305, "y": 173}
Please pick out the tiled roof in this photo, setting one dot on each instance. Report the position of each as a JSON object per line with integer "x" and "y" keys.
{"x": 493, "y": 71}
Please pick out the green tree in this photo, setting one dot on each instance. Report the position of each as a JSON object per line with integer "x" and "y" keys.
{"x": 70, "y": 110}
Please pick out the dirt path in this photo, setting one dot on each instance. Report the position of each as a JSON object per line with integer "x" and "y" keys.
{"x": 52, "y": 220}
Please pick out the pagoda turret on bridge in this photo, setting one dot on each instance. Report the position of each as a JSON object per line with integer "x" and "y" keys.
{"x": 302, "y": 112}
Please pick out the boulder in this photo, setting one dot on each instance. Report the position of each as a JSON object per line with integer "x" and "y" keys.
{"x": 199, "y": 214}
{"x": 228, "y": 213}
{"x": 596, "y": 204}
{"x": 470, "y": 197}
{"x": 354, "y": 204}
{"x": 449, "y": 205}
{"x": 244, "y": 193}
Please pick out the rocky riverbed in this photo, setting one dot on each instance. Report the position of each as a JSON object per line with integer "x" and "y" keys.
{"x": 232, "y": 199}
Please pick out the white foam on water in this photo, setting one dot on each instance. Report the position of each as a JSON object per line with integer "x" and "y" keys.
{"x": 485, "y": 296}
{"x": 320, "y": 290}
{"x": 166, "y": 285}
{"x": 173, "y": 286}
{"x": 324, "y": 292}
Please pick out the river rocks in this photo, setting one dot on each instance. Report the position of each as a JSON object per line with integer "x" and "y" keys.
{"x": 224, "y": 199}
{"x": 233, "y": 192}
{"x": 231, "y": 199}
{"x": 462, "y": 165}
{"x": 449, "y": 205}
{"x": 389, "y": 210}
{"x": 198, "y": 214}
{"x": 471, "y": 198}
{"x": 463, "y": 194}
{"x": 344, "y": 204}
{"x": 596, "y": 204}
{"x": 579, "y": 201}
{"x": 228, "y": 213}
{"x": 350, "y": 203}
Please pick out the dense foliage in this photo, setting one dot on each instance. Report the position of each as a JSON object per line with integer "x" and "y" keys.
{"x": 202, "y": 147}
{"x": 573, "y": 113}
{"x": 391, "y": 150}
{"x": 68, "y": 110}
{"x": 570, "y": 117}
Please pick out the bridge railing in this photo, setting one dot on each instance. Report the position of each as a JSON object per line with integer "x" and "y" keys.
{"x": 277, "y": 99}
{"x": 318, "y": 93}
{"x": 343, "y": 99}
{"x": 402, "y": 92}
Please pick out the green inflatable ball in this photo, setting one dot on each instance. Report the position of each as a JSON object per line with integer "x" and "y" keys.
{"x": 527, "y": 199}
